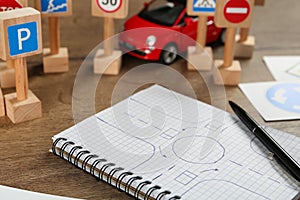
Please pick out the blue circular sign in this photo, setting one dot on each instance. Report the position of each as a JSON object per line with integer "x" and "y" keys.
{"x": 285, "y": 96}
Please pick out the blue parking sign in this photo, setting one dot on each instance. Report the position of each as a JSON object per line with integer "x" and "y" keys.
{"x": 204, "y": 6}
{"x": 22, "y": 38}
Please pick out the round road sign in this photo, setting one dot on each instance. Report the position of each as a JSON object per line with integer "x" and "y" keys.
{"x": 9, "y": 5}
{"x": 236, "y": 11}
{"x": 109, "y": 6}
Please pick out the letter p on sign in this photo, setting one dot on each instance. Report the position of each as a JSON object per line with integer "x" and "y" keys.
{"x": 22, "y": 38}
{"x": 20, "y": 32}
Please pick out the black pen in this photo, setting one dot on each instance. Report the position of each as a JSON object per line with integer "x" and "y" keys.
{"x": 276, "y": 150}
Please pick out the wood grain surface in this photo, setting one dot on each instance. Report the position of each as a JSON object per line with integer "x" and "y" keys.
{"x": 25, "y": 160}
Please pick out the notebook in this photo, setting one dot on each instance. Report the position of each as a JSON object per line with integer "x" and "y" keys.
{"x": 159, "y": 144}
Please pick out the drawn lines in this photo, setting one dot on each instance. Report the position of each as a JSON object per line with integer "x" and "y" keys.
{"x": 172, "y": 167}
{"x": 197, "y": 186}
{"x": 166, "y": 114}
{"x": 236, "y": 163}
{"x": 214, "y": 125}
{"x": 130, "y": 115}
{"x": 157, "y": 177}
{"x": 252, "y": 170}
{"x": 273, "y": 180}
{"x": 170, "y": 134}
{"x": 186, "y": 177}
{"x": 140, "y": 120}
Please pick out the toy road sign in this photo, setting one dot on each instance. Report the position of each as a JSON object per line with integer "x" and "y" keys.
{"x": 20, "y": 33}
{"x": 234, "y": 13}
{"x": 54, "y": 7}
{"x": 201, "y": 7}
{"x": 22, "y": 38}
{"x": 6, "y": 5}
{"x": 110, "y": 8}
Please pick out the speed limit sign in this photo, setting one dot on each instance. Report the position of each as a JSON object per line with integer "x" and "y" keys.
{"x": 110, "y": 8}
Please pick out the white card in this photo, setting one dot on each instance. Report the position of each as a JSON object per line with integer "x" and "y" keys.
{"x": 295, "y": 70}
{"x": 284, "y": 68}
{"x": 18, "y": 194}
{"x": 274, "y": 100}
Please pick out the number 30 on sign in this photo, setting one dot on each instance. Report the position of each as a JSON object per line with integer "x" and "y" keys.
{"x": 109, "y": 5}
{"x": 110, "y": 8}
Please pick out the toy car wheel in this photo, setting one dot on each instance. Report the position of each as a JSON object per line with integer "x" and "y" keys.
{"x": 222, "y": 37}
{"x": 169, "y": 54}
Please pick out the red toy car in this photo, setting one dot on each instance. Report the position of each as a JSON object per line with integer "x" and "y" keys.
{"x": 165, "y": 20}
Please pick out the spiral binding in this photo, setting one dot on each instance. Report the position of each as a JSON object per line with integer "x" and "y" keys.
{"x": 78, "y": 156}
{"x": 130, "y": 181}
{"x": 139, "y": 188}
{"x": 149, "y": 192}
{"x": 80, "y": 152}
{"x": 162, "y": 194}
{"x": 94, "y": 165}
{"x": 63, "y": 147}
{"x": 121, "y": 177}
{"x": 72, "y": 152}
{"x": 112, "y": 172}
{"x": 86, "y": 161}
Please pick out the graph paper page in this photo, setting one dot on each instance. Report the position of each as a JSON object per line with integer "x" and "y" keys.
{"x": 190, "y": 148}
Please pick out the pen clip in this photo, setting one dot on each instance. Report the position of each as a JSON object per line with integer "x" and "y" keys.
{"x": 270, "y": 156}
{"x": 254, "y": 129}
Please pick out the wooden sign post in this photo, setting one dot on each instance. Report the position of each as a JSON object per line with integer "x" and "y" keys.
{"x": 231, "y": 14}
{"x": 245, "y": 43}
{"x": 2, "y": 107}
{"x": 244, "y": 46}
{"x": 7, "y": 75}
{"x": 108, "y": 60}
{"x": 199, "y": 56}
{"x": 56, "y": 58}
{"x": 20, "y": 37}
{"x": 259, "y": 2}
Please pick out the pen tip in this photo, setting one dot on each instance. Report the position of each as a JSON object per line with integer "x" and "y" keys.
{"x": 233, "y": 105}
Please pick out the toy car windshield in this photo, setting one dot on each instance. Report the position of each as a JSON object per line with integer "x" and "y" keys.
{"x": 164, "y": 14}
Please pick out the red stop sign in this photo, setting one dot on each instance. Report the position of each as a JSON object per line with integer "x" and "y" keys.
{"x": 6, "y": 5}
{"x": 236, "y": 11}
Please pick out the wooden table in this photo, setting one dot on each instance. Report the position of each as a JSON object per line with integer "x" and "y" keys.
{"x": 25, "y": 160}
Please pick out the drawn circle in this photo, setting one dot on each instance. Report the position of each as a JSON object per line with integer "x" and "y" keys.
{"x": 285, "y": 96}
{"x": 236, "y": 11}
{"x": 199, "y": 150}
{"x": 109, "y": 6}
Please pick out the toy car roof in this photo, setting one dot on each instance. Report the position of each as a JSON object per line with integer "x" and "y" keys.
{"x": 178, "y": 1}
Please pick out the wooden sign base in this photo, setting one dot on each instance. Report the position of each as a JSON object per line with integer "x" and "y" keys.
{"x": 56, "y": 63}
{"x": 230, "y": 76}
{"x": 244, "y": 49}
{"x": 101, "y": 61}
{"x": 8, "y": 78}
{"x": 2, "y": 107}
{"x": 21, "y": 111}
{"x": 2, "y": 65}
{"x": 199, "y": 61}
{"x": 56, "y": 59}
{"x": 7, "y": 75}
